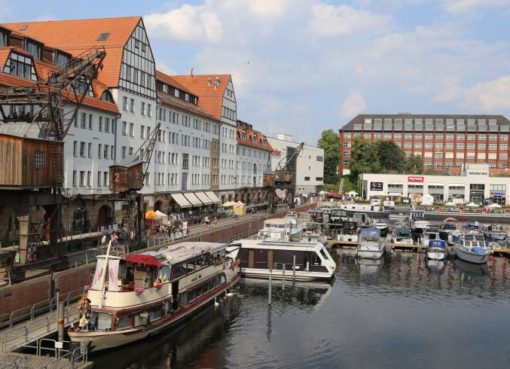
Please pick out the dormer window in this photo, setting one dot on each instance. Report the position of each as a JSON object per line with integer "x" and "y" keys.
{"x": 61, "y": 59}
{"x": 33, "y": 48}
{"x": 3, "y": 38}
{"x": 20, "y": 66}
{"x": 82, "y": 87}
{"x": 107, "y": 96}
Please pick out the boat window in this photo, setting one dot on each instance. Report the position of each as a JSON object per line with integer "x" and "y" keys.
{"x": 104, "y": 321}
{"x": 164, "y": 274}
{"x": 155, "y": 314}
{"x": 324, "y": 255}
{"x": 124, "y": 322}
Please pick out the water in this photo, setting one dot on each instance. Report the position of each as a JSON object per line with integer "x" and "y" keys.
{"x": 395, "y": 313}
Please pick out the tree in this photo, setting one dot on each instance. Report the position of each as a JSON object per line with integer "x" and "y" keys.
{"x": 330, "y": 143}
{"x": 364, "y": 158}
{"x": 413, "y": 164}
{"x": 391, "y": 157}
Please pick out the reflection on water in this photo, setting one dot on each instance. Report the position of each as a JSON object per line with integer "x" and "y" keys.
{"x": 401, "y": 311}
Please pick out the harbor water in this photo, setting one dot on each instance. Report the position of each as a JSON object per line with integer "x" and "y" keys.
{"x": 397, "y": 312}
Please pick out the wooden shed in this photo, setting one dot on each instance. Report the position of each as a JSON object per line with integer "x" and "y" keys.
{"x": 126, "y": 177}
{"x": 26, "y": 161}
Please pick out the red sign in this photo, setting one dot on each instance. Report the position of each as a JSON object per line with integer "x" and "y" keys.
{"x": 415, "y": 179}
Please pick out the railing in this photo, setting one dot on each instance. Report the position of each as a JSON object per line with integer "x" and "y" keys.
{"x": 31, "y": 312}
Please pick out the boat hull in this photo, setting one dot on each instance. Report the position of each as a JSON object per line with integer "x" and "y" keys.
{"x": 437, "y": 254}
{"x": 471, "y": 257}
{"x": 370, "y": 254}
{"x": 103, "y": 340}
{"x": 302, "y": 276}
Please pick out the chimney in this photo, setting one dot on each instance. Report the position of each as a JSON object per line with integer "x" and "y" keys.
{"x": 216, "y": 82}
{"x": 208, "y": 81}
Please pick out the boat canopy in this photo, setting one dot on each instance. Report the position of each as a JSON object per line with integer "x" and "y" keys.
{"x": 370, "y": 232}
{"x": 143, "y": 259}
{"x": 438, "y": 244}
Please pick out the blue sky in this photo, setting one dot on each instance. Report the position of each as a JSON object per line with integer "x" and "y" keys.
{"x": 302, "y": 66}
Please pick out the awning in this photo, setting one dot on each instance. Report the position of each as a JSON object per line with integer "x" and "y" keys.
{"x": 181, "y": 200}
{"x": 203, "y": 197}
{"x": 213, "y": 197}
{"x": 195, "y": 202}
{"x": 143, "y": 259}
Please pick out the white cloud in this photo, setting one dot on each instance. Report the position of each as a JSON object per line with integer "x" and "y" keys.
{"x": 460, "y": 6}
{"x": 330, "y": 20}
{"x": 261, "y": 8}
{"x": 187, "y": 23}
{"x": 489, "y": 96}
{"x": 353, "y": 104}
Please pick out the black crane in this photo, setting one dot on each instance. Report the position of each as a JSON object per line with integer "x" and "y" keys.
{"x": 285, "y": 174}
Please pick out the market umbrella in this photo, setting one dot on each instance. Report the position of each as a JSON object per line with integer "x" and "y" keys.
{"x": 228, "y": 204}
{"x": 450, "y": 203}
{"x": 159, "y": 215}
{"x": 450, "y": 220}
{"x": 472, "y": 205}
{"x": 150, "y": 215}
{"x": 494, "y": 206}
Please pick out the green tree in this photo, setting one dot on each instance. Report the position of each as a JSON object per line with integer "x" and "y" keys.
{"x": 413, "y": 164}
{"x": 364, "y": 158}
{"x": 330, "y": 143}
{"x": 391, "y": 157}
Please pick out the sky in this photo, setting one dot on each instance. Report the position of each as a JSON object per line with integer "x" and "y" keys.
{"x": 302, "y": 66}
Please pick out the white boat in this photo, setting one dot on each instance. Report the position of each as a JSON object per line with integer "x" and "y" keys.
{"x": 304, "y": 261}
{"x": 430, "y": 234}
{"x": 280, "y": 229}
{"x": 402, "y": 236}
{"x": 370, "y": 244}
{"x": 140, "y": 295}
{"x": 436, "y": 250}
{"x": 471, "y": 247}
{"x": 382, "y": 226}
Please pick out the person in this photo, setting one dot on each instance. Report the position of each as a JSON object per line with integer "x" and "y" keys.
{"x": 103, "y": 240}
{"x": 85, "y": 311}
{"x": 206, "y": 220}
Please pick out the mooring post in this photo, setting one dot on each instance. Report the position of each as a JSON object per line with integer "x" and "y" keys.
{"x": 270, "y": 283}
{"x": 294, "y": 268}
{"x": 283, "y": 276}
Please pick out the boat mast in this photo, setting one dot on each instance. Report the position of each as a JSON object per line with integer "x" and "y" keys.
{"x": 107, "y": 270}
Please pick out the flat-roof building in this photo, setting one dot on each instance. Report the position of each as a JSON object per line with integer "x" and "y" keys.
{"x": 445, "y": 142}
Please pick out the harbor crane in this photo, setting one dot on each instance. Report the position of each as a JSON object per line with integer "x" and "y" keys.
{"x": 285, "y": 174}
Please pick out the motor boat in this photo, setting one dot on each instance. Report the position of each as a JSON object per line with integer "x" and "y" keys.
{"x": 402, "y": 236}
{"x": 302, "y": 261}
{"x": 382, "y": 226}
{"x": 370, "y": 244}
{"x": 281, "y": 229}
{"x": 471, "y": 247}
{"x": 436, "y": 250}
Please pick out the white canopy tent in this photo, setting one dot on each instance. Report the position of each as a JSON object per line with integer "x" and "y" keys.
{"x": 472, "y": 205}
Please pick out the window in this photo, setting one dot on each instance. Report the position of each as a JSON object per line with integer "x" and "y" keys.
{"x": 82, "y": 178}
{"x": 320, "y": 158}
{"x": 34, "y": 49}
{"x": 105, "y": 152}
{"x": 82, "y": 149}
{"x": 103, "y": 36}
{"x": 124, "y": 128}
{"x": 61, "y": 59}
{"x": 74, "y": 178}
{"x": 185, "y": 161}
{"x": 98, "y": 179}
{"x": 105, "y": 179}
{"x": 83, "y": 122}
{"x": 75, "y": 148}
{"x": 89, "y": 150}
{"x": 142, "y": 108}
{"x": 307, "y": 178}
{"x": 124, "y": 103}
{"x": 132, "y": 105}
{"x": 90, "y": 122}
{"x": 149, "y": 110}
{"x": 38, "y": 159}
{"x": 99, "y": 150}
{"x": 3, "y": 38}
{"x": 131, "y": 130}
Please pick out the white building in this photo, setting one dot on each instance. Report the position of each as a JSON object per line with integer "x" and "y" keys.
{"x": 474, "y": 185}
{"x": 186, "y": 155}
{"x": 309, "y": 164}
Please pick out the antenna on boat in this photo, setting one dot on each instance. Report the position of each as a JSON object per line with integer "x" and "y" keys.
{"x": 107, "y": 270}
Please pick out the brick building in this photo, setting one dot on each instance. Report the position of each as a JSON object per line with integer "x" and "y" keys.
{"x": 445, "y": 142}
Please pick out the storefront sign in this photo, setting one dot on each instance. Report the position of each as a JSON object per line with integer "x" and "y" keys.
{"x": 498, "y": 193}
{"x": 376, "y": 186}
{"x": 477, "y": 173}
{"x": 415, "y": 179}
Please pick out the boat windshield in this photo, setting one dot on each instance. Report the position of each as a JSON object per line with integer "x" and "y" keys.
{"x": 370, "y": 235}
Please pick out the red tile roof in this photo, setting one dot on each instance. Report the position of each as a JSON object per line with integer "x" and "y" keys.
{"x": 170, "y": 80}
{"x": 78, "y": 35}
{"x": 183, "y": 105}
{"x": 245, "y": 136}
{"x": 210, "y": 97}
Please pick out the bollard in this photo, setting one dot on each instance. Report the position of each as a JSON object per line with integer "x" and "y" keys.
{"x": 283, "y": 276}
{"x": 270, "y": 282}
{"x": 294, "y": 268}
{"x": 60, "y": 321}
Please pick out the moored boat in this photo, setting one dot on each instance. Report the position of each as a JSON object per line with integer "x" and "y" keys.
{"x": 142, "y": 294}
{"x": 471, "y": 247}
{"x": 370, "y": 244}
{"x": 436, "y": 250}
{"x": 304, "y": 261}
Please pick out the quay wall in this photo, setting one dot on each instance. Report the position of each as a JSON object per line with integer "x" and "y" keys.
{"x": 38, "y": 290}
